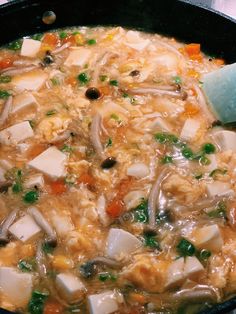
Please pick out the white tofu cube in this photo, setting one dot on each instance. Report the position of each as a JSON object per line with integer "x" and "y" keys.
{"x": 120, "y": 242}
{"x": 35, "y": 180}
{"x": 51, "y": 162}
{"x": 218, "y": 188}
{"x": 25, "y": 228}
{"x": 62, "y": 224}
{"x": 30, "y": 47}
{"x": 70, "y": 286}
{"x": 208, "y": 238}
{"x": 192, "y": 267}
{"x": 22, "y": 101}
{"x": 138, "y": 170}
{"x": 103, "y": 303}
{"x": 31, "y": 81}
{"x": 175, "y": 273}
{"x": 135, "y": 41}
{"x": 78, "y": 57}
{"x": 16, "y": 286}
{"x": 189, "y": 129}
{"x": 226, "y": 140}
{"x": 16, "y": 133}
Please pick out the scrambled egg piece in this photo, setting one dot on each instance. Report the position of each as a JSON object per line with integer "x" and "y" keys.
{"x": 183, "y": 189}
{"x": 78, "y": 167}
{"x": 52, "y": 127}
{"x": 219, "y": 269}
{"x": 147, "y": 272}
{"x": 8, "y": 256}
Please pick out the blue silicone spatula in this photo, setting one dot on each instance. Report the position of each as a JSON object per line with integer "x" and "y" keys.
{"x": 219, "y": 88}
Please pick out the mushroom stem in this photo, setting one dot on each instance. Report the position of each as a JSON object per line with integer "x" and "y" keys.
{"x": 106, "y": 261}
{"x": 5, "y": 226}
{"x": 95, "y": 135}
{"x": 6, "y": 110}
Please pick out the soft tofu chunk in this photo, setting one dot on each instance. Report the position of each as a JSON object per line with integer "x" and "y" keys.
{"x": 16, "y": 133}
{"x": 120, "y": 242}
{"x": 62, "y": 224}
{"x": 30, "y": 47}
{"x": 4, "y": 166}
{"x": 136, "y": 42}
{"x": 51, "y": 162}
{"x": 189, "y": 129}
{"x": 175, "y": 273}
{"x": 16, "y": 286}
{"x": 22, "y": 101}
{"x": 208, "y": 238}
{"x": 31, "y": 81}
{"x": 78, "y": 57}
{"x": 103, "y": 303}
{"x": 192, "y": 267}
{"x": 25, "y": 228}
{"x": 35, "y": 180}
{"x": 218, "y": 188}
{"x": 138, "y": 170}
{"x": 226, "y": 140}
{"x": 70, "y": 286}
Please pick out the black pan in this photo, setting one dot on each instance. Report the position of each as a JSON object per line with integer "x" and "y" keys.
{"x": 179, "y": 19}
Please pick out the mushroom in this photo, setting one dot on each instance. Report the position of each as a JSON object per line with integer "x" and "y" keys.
{"x": 4, "y": 239}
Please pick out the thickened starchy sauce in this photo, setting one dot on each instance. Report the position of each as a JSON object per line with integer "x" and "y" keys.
{"x": 117, "y": 190}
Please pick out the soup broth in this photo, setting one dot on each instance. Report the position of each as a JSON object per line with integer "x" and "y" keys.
{"x": 117, "y": 186}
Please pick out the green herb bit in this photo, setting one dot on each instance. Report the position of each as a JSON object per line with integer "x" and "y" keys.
{"x": 13, "y": 174}
{"x": 208, "y": 148}
{"x": 37, "y": 37}
{"x": 26, "y": 266}
{"x": 115, "y": 117}
{"x": 4, "y": 94}
{"x": 204, "y": 255}
{"x": 125, "y": 95}
{"x": 37, "y": 301}
{"x": 219, "y": 211}
{"x": 55, "y": 81}
{"x": 75, "y": 33}
{"x": 141, "y": 212}
{"x": 70, "y": 179}
{"x": 63, "y": 35}
{"x": 91, "y": 42}
{"x": 204, "y": 161}
{"x": 83, "y": 78}
{"x": 185, "y": 248}
{"x": 113, "y": 82}
{"x": 67, "y": 149}
{"x": 47, "y": 248}
{"x": 177, "y": 80}
{"x": 103, "y": 78}
{"x": 187, "y": 153}
{"x": 51, "y": 112}
{"x": 166, "y": 138}
{"x": 198, "y": 176}
{"x": 5, "y": 79}
{"x": 109, "y": 142}
{"x": 31, "y": 197}
{"x": 167, "y": 160}
{"x": 107, "y": 276}
{"x": 17, "y": 187}
{"x": 15, "y": 45}
{"x": 151, "y": 241}
{"x": 217, "y": 171}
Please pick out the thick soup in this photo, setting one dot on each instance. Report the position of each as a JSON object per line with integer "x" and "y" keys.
{"x": 116, "y": 185}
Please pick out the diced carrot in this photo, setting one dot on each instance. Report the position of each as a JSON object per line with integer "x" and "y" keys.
{"x": 105, "y": 90}
{"x": 219, "y": 61}
{"x": 115, "y": 208}
{"x": 137, "y": 297}
{"x": 190, "y": 110}
{"x": 62, "y": 262}
{"x": 193, "y": 73}
{"x": 71, "y": 80}
{"x": 86, "y": 179}
{"x": 58, "y": 187}
{"x": 52, "y": 307}
{"x": 6, "y": 63}
{"x": 51, "y": 39}
{"x": 69, "y": 39}
{"x": 193, "y": 49}
{"x": 196, "y": 57}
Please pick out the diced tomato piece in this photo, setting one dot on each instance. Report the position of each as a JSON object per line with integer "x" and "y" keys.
{"x": 6, "y": 63}
{"x": 86, "y": 178}
{"x": 53, "y": 307}
{"x": 115, "y": 208}
{"x": 51, "y": 39}
{"x": 193, "y": 49}
{"x": 58, "y": 187}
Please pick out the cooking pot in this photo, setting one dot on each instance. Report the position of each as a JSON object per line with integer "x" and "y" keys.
{"x": 180, "y": 19}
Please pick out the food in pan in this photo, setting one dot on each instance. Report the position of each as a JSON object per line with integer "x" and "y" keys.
{"x": 117, "y": 183}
